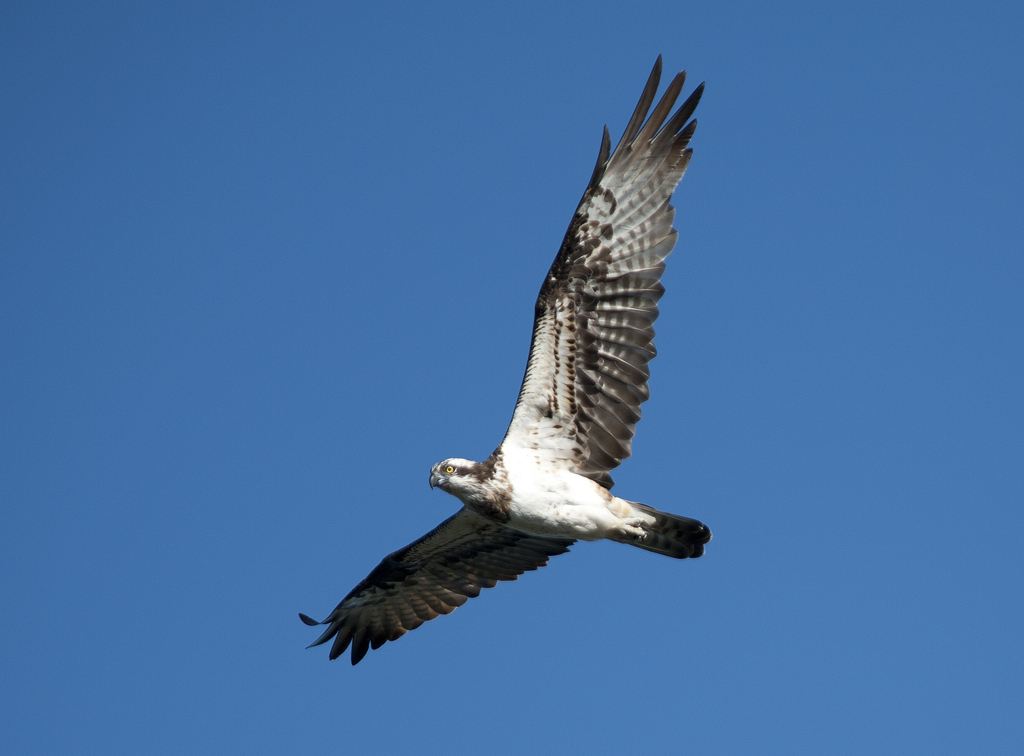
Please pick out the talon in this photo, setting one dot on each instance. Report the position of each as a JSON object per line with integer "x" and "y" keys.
{"x": 631, "y": 526}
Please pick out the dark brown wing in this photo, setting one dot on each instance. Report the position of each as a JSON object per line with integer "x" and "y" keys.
{"x": 432, "y": 575}
{"x": 586, "y": 376}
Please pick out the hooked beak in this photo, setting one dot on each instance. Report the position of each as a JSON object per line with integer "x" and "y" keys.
{"x": 436, "y": 479}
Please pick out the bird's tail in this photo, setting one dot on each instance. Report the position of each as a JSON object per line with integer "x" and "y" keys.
{"x": 669, "y": 534}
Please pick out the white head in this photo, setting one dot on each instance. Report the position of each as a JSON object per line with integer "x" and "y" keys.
{"x": 455, "y": 475}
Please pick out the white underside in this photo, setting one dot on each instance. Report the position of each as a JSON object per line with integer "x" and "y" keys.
{"x": 549, "y": 499}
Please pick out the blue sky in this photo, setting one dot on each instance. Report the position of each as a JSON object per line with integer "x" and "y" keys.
{"x": 262, "y": 265}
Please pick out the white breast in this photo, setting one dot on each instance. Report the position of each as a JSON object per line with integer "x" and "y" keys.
{"x": 548, "y": 499}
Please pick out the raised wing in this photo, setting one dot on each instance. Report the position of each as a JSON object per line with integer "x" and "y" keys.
{"x": 431, "y": 576}
{"x": 593, "y": 337}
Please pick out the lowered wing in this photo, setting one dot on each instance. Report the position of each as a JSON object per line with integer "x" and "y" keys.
{"x": 431, "y": 576}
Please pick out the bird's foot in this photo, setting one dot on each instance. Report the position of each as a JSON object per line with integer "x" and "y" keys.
{"x": 631, "y": 528}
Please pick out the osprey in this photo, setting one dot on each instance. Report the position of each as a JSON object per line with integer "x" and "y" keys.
{"x": 548, "y": 483}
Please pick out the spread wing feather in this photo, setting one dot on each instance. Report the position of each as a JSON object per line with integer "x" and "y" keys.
{"x": 593, "y": 333}
{"x": 432, "y": 576}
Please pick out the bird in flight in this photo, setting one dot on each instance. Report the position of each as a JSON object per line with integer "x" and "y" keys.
{"x": 548, "y": 484}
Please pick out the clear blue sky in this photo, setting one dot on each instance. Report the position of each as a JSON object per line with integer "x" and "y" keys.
{"x": 262, "y": 265}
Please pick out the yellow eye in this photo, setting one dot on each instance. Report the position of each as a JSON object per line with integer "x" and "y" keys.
{"x": 449, "y": 469}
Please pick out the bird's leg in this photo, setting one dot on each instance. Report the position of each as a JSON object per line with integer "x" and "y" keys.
{"x": 631, "y": 527}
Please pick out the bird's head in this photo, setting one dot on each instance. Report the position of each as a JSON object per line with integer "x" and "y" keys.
{"x": 454, "y": 475}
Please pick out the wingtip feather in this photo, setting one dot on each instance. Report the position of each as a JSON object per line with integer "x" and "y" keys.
{"x": 360, "y": 645}
{"x": 602, "y": 159}
{"x": 642, "y": 107}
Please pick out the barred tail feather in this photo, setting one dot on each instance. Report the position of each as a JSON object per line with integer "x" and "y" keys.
{"x": 669, "y": 534}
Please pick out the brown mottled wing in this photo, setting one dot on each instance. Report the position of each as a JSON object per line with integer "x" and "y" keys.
{"x": 432, "y": 575}
{"x": 593, "y": 332}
